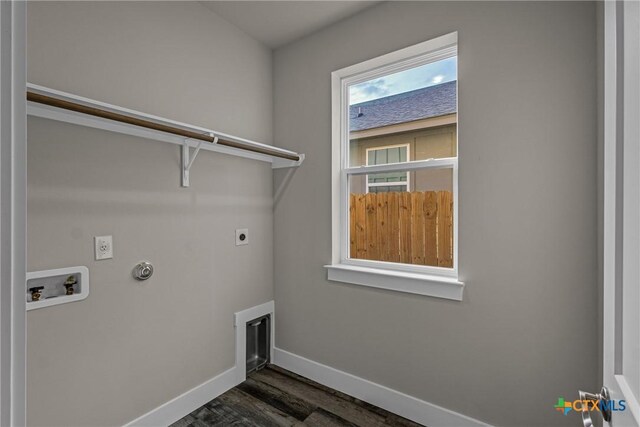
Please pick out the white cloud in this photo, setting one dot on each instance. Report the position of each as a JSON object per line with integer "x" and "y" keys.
{"x": 430, "y": 74}
{"x": 366, "y": 91}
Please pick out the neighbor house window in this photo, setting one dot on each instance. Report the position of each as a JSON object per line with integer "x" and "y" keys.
{"x": 390, "y": 181}
{"x": 395, "y": 171}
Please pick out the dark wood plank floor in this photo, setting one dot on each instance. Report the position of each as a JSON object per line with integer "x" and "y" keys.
{"x": 277, "y": 397}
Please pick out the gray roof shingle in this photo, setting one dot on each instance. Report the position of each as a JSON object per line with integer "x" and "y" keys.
{"x": 432, "y": 101}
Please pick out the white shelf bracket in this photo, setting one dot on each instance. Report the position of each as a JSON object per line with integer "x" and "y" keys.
{"x": 188, "y": 158}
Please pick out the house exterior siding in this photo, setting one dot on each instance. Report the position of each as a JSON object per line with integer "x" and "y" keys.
{"x": 427, "y": 143}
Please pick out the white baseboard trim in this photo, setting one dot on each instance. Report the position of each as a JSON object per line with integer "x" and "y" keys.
{"x": 187, "y": 402}
{"x": 391, "y": 400}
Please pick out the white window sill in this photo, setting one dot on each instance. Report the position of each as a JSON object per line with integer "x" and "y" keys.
{"x": 413, "y": 283}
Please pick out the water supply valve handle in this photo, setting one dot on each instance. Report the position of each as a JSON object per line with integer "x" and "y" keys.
{"x": 36, "y": 293}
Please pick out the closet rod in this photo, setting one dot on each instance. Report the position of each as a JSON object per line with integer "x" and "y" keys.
{"x": 123, "y": 118}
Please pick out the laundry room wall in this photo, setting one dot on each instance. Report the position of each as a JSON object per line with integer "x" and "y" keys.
{"x": 132, "y": 346}
{"x": 526, "y": 330}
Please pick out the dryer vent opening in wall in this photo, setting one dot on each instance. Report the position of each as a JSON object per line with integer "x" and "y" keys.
{"x": 258, "y": 345}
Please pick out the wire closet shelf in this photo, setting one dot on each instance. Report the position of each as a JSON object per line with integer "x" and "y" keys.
{"x": 56, "y": 105}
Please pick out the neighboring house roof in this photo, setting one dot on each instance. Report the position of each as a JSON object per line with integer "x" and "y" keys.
{"x": 432, "y": 101}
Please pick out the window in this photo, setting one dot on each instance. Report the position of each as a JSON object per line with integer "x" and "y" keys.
{"x": 395, "y": 171}
{"x": 390, "y": 181}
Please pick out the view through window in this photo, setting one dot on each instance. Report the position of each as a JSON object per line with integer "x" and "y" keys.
{"x": 404, "y": 124}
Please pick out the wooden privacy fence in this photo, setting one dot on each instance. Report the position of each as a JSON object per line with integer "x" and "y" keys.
{"x": 407, "y": 227}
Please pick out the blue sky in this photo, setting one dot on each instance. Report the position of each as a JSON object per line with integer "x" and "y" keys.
{"x": 414, "y": 78}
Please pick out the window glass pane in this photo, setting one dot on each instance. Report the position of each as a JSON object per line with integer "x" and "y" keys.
{"x": 410, "y": 223}
{"x": 388, "y": 188}
{"x": 387, "y": 177}
{"x": 417, "y": 107}
{"x": 393, "y": 154}
{"x": 383, "y": 156}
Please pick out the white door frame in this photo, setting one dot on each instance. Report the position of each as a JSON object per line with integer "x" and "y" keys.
{"x": 13, "y": 213}
{"x": 621, "y": 322}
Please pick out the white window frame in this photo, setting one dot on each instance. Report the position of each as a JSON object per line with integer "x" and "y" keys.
{"x": 417, "y": 279}
{"x": 406, "y": 183}
{"x": 13, "y": 218}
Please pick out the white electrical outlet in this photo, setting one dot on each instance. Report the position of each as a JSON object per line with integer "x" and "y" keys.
{"x": 104, "y": 247}
{"x": 242, "y": 236}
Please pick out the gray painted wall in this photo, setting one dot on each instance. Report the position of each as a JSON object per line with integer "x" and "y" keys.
{"x": 525, "y": 333}
{"x": 132, "y": 346}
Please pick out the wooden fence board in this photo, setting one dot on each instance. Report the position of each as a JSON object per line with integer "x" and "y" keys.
{"x": 430, "y": 228}
{"x": 406, "y": 227}
{"x": 393, "y": 220}
{"x": 352, "y": 226}
{"x": 417, "y": 228}
{"x": 361, "y": 239}
{"x": 404, "y": 206}
{"x": 382, "y": 215}
{"x": 371, "y": 229}
{"x": 445, "y": 229}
